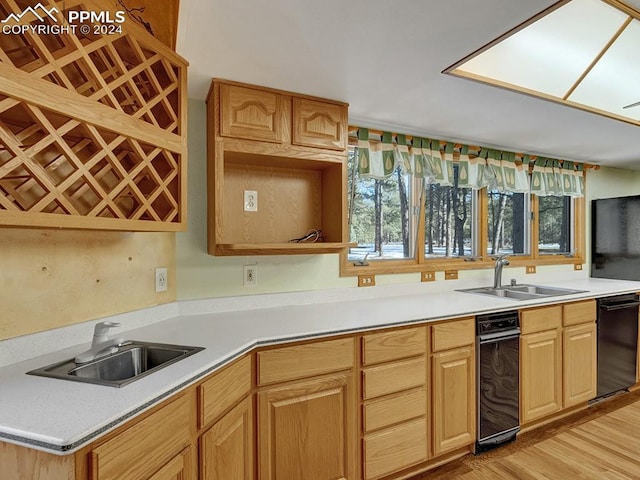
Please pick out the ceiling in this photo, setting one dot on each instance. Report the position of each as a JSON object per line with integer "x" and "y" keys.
{"x": 385, "y": 58}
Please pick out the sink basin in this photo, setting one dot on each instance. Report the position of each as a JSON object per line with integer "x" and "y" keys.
{"x": 132, "y": 361}
{"x": 522, "y": 292}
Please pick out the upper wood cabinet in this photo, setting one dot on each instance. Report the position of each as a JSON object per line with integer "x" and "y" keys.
{"x": 251, "y": 114}
{"x": 288, "y": 153}
{"x": 319, "y": 124}
{"x": 92, "y": 130}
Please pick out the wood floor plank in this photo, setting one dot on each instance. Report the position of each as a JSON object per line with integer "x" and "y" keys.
{"x": 602, "y": 443}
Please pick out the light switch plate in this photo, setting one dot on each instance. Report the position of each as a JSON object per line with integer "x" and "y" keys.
{"x": 250, "y": 201}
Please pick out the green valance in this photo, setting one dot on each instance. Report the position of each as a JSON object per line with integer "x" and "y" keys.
{"x": 478, "y": 167}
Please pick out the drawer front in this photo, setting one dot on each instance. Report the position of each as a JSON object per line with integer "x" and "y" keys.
{"x": 458, "y": 333}
{"x": 390, "y": 411}
{"x": 301, "y": 361}
{"x": 540, "y": 319}
{"x": 579, "y": 312}
{"x": 387, "y": 346}
{"x": 394, "y": 449}
{"x": 395, "y": 377}
{"x": 223, "y": 390}
{"x": 251, "y": 114}
{"x": 143, "y": 448}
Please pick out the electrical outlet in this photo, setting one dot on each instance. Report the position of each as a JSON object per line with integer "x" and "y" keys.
{"x": 451, "y": 274}
{"x": 161, "y": 279}
{"x": 250, "y": 201}
{"x": 531, "y": 269}
{"x": 428, "y": 276}
{"x": 366, "y": 280}
{"x": 577, "y": 266}
{"x": 250, "y": 275}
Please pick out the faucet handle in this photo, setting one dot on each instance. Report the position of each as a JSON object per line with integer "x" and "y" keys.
{"x": 103, "y": 327}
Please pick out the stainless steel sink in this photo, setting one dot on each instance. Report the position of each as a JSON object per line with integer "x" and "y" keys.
{"x": 132, "y": 361}
{"x": 522, "y": 292}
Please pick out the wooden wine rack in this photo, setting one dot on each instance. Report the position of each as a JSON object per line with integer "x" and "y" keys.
{"x": 92, "y": 127}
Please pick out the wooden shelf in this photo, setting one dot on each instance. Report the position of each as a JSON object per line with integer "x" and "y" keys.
{"x": 280, "y": 248}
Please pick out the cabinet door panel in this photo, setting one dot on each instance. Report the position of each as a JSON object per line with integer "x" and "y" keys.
{"x": 307, "y": 430}
{"x": 319, "y": 124}
{"x": 453, "y": 400}
{"x": 251, "y": 114}
{"x": 226, "y": 449}
{"x": 177, "y": 469}
{"x": 579, "y": 364}
{"x": 541, "y": 375}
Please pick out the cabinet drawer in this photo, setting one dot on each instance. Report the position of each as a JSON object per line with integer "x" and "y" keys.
{"x": 579, "y": 312}
{"x": 223, "y": 390}
{"x": 387, "y": 346}
{"x": 301, "y": 361}
{"x": 148, "y": 445}
{"x": 458, "y": 333}
{"x": 394, "y": 449}
{"x": 390, "y": 411}
{"x": 540, "y": 319}
{"x": 250, "y": 113}
{"x": 395, "y": 377}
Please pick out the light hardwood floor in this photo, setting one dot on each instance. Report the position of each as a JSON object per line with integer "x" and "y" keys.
{"x": 600, "y": 444}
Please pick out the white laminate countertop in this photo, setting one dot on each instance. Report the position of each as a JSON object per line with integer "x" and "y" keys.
{"x": 59, "y": 416}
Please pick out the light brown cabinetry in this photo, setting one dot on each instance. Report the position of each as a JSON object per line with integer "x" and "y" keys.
{"x": 148, "y": 446}
{"x": 290, "y": 150}
{"x": 307, "y": 426}
{"x": 579, "y": 371}
{"x": 395, "y": 401}
{"x": 226, "y": 449}
{"x": 453, "y": 385}
{"x": 557, "y": 359}
{"x": 179, "y": 468}
{"x": 93, "y": 130}
{"x": 541, "y": 374}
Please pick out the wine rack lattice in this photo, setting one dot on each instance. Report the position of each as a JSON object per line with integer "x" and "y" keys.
{"x": 50, "y": 163}
{"x": 90, "y": 171}
{"x": 122, "y": 71}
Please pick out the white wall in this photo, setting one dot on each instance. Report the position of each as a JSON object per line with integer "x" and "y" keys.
{"x": 200, "y": 275}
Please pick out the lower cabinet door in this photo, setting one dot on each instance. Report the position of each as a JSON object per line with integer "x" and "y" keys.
{"x": 579, "y": 364}
{"x": 541, "y": 374}
{"x": 179, "y": 468}
{"x": 453, "y": 399}
{"x": 226, "y": 449}
{"x": 307, "y": 430}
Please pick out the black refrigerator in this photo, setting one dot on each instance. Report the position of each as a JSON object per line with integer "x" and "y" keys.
{"x": 615, "y": 238}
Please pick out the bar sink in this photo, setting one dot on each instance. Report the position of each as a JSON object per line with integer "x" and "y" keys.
{"x": 133, "y": 360}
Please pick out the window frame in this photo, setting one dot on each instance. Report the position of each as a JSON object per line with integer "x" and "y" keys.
{"x": 483, "y": 260}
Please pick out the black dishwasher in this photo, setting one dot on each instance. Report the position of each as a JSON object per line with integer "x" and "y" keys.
{"x": 617, "y": 343}
{"x": 498, "y": 361}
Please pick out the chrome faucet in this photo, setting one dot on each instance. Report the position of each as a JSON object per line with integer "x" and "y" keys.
{"x": 501, "y": 261}
{"x": 101, "y": 345}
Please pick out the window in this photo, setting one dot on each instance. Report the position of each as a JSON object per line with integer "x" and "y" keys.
{"x": 508, "y": 217}
{"x": 379, "y": 216}
{"x": 449, "y": 221}
{"x": 401, "y": 223}
{"x": 555, "y": 225}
